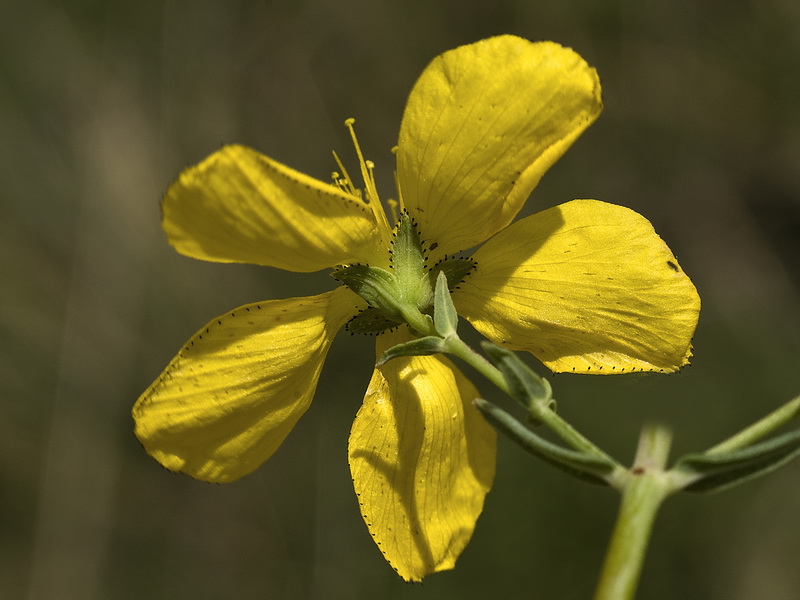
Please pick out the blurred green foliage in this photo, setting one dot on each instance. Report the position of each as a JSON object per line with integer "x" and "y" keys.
{"x": 101, "y": 105}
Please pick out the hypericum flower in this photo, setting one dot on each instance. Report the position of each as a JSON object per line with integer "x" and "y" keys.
{"x": 585, "y": 286}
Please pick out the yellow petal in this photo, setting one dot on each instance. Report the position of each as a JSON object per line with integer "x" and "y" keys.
{"x": 228, "y": 399}
{"x": 482, "y": 125}
{"x": 585, "y": 287}
{"x": 240, "y": 206}
{"x": 422, "y": 459}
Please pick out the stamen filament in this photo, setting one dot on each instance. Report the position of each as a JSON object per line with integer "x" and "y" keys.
{"x": 370, "y": 178}
{"x": 346, "y": 183}
{"x": 397, "y": 187}
{"x": 371, "y": 191}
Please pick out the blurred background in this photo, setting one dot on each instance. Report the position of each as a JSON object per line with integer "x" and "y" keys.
{"x": 103, "y": 103}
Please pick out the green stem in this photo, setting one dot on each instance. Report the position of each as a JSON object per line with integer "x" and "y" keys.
{"x": 645, "y": 488}
{"x": 568, "y": 433}
{"x": 759, "y": 429}
{"x": 420, "y": 323}
{"x": 457, "y": 347}
{"x": 544, "y": 414}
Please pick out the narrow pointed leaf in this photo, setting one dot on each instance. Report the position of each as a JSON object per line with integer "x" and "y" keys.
{"x": 445, "y": 317}
{"x": 721, "y": 470}
{"x": 527, "y": 388}
{"x": 424, "y": 346}
{"x": 760, "y": 429}
{"x": 590, "y": 468}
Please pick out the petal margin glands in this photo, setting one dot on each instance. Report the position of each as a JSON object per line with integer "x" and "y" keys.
{"x": 587, "y": 287}
{"x": 228, "y": 399}
{"x": 481, "y": 126}
{"x": 241, "y": 206}
{"x": 422, "y": 460}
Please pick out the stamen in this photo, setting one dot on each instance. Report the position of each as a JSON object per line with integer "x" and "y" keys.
{"x": 397, "y": 187}
{"x": 346, "y": 183}
{"x": 393, "y": 207}
{"x": 369, "y": 182}
{"x": 338, "y": 182}
{"x": 371, "y": 173}
{"x": 370, "y": 190}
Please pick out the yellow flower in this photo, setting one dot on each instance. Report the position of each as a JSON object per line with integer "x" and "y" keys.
{"x": 585, "y": 286}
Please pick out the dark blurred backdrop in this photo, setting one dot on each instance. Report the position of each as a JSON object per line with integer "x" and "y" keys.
{"x": 101, "y": 105}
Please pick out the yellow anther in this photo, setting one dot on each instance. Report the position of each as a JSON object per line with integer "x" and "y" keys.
{"x": 371, "y": 174}
{"x": 393, "y": 207}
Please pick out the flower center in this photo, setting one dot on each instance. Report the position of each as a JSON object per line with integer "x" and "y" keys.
{"x": 403, "y": 293}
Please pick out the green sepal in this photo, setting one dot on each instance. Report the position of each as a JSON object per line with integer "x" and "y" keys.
{"x": 408, "y": 264}
{"x": 526, "y": 387}
{"x": 370, "y": 320}
{"x": 586, "y": 467}
{"x": 455, "y": 269}
{"x": 378, "y": 287}
{"x": 407, "y": 252}
{"x": 445, "y": 317}
{"x": 423, "y": 346}
{"x": 714, "y": 471}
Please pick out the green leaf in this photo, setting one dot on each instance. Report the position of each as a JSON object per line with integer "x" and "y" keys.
{"x": 445, "y": 317}
{"x": 586, "y": 467}
{"x": 713, "y": 471}
{"x": 526, "y": 387}
{"x": 419, "y": 347}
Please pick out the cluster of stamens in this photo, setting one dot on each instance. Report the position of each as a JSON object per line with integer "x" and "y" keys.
{"x": 343, "y": 180}
{"x": 407, "y": 286}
